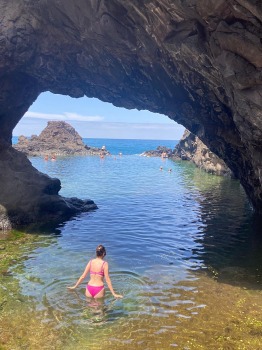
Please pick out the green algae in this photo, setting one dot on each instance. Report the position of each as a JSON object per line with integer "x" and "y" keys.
{"x": 230, "y": 318}
{"x": 10, "y": 244}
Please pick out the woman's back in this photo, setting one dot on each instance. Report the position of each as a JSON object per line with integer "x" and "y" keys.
{"x": 97, "y": 270}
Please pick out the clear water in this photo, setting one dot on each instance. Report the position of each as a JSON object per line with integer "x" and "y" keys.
{"x": 126, "y": 147}
{"x": 183, "y": 248}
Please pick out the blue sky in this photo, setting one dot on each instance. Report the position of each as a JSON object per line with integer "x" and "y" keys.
{"x": 93, "y": 118}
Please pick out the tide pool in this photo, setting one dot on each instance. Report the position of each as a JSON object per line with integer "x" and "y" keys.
{"x": 183, "y": 248}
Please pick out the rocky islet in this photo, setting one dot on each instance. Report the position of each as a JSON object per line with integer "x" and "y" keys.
{"x": 59, "y": 138}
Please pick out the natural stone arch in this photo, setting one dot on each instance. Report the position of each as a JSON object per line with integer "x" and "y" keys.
{"x": 196, "y": 61}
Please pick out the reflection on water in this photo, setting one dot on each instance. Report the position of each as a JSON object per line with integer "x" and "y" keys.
{"x": 183, "y": 248}
{"x": 231, "y": 241}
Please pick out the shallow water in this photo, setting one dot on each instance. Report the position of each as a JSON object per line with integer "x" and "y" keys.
{"x": 183, "y": 248}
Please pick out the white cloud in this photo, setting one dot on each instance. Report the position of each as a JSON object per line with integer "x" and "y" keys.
{"x": 97, "y": 129}
{"x": 64, "y": 116}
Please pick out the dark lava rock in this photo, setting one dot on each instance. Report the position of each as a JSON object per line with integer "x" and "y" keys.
{"x": 57, "y": 139}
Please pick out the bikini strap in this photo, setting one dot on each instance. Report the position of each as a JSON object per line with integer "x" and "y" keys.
{"x": 102, "y": 270}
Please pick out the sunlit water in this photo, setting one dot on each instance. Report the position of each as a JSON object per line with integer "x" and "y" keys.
{"x": 183, "y": 248}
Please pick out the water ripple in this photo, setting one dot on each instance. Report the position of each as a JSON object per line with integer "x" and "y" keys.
{"x": 159, "y": 229}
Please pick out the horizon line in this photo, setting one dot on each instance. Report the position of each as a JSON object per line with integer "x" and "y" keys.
{"x": 113, "y": 138}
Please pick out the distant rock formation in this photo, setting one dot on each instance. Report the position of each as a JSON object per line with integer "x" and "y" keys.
{"x": 161, "y": 151}
{"x": 58, "y": 138}
{"x": 191, "y": 148}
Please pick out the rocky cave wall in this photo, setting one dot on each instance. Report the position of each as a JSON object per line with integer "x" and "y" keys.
{"x": 192, "y": 149}
{"x": 197, "y": 61}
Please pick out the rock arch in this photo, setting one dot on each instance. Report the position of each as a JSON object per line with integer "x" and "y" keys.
{"x": 197, "y": 61}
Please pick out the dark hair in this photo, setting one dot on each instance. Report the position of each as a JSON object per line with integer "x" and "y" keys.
{"x": 100, "y": 250}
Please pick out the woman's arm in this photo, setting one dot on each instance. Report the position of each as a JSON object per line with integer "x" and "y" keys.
{"x": 108, "y": 281}
{"x": 82, "y": 277}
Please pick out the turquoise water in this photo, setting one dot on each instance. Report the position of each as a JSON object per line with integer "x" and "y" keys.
{"x": 126, "y": 147}
{"x": 162, "y": 231}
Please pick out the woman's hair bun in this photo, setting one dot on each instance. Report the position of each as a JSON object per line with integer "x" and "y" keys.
{"x": 100, "y": 250}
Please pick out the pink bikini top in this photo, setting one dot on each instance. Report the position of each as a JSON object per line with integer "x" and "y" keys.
{"x": 100, "y": 273}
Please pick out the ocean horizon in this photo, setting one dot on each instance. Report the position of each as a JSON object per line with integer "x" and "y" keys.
{"x": 124, "y": 146}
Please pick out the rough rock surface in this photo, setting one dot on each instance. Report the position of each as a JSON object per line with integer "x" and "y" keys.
{"x": 30, "y": 197}
{"x": 197, "y": 61}
{"x": 58, "y": 138}
{"x": 161, "y": 151}
{"x": 192, "y": 149}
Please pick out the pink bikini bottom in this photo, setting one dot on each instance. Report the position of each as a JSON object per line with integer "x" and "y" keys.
{"x": 94, "y": 290}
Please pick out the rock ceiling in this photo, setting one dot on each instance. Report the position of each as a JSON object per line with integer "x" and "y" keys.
{"x": 197, "y": 61}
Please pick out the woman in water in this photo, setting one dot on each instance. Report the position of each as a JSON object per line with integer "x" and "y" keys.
{"x": 98, "y": 270}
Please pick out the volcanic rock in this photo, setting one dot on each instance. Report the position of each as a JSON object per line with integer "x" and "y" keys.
{"x": 191, "y": 148}
{"x": 197, "y": 61}
{"x": 31, "y": 197}
{"x": 57, "y": 139}
{"x": 161, "y": 151}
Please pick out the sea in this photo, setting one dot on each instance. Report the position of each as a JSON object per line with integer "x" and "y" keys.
{"x": 124, "y": 146}
{"x": 183, "y": 247}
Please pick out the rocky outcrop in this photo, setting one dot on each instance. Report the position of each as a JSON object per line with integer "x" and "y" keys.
{"x": 161, "y": 151}
{"x": 197, "y": 61}
{"x": 57, "y": 139}
{"x": 30, "y": 197}
{"x": 192, "y": 149}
